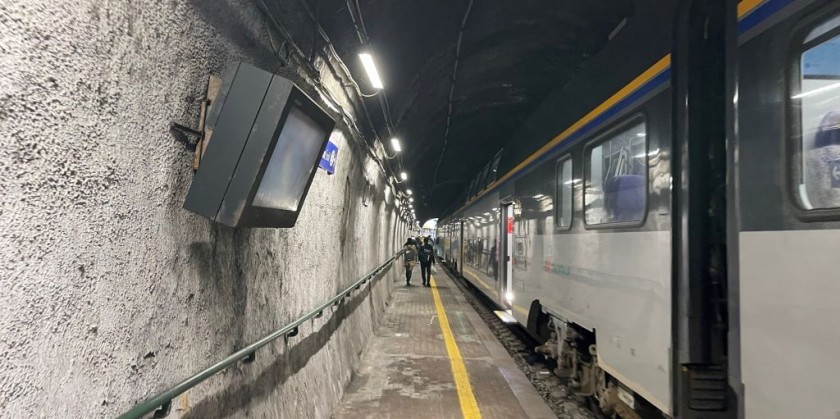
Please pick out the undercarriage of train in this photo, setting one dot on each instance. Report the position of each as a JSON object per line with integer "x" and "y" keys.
{"x": 576, "y": 354}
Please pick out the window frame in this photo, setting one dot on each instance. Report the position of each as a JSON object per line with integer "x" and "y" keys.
{"x": 557, "y": 193}
{"x": 793, "y": 110}
{"x": 605, "y": 135}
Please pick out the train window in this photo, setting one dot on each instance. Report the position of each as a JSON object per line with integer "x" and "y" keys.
{"x": 563, "y": 194}
{"x": 616, "y": 177}
{"x": 818, "y": 102}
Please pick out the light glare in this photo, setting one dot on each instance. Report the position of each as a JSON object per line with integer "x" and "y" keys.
{"x": 403, "y": 175}
{"x": 817, "y": 91}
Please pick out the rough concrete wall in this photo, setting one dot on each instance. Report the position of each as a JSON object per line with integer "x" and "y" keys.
{"x": 109, "y": 291}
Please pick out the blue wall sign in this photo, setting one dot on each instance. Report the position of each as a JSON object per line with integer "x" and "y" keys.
{"x": 329, "y": 158}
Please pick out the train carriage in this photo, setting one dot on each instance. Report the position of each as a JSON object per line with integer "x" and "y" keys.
{"x": 666, "y": 222}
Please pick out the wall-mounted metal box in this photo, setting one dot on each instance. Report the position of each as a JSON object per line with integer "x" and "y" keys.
{"x": 267, "y": 141}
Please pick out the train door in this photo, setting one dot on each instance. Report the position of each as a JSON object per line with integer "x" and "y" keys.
{"x": 506, "y": 250}
{"x": 787, "y": 204}
{"x": 459, "y": 263}
{"x": 703, "y": 64}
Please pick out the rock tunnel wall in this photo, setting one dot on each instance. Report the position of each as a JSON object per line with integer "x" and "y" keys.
{"x": 109, "y": 291}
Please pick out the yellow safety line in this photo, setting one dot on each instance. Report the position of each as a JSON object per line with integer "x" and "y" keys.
{"x": 469, "y": 407}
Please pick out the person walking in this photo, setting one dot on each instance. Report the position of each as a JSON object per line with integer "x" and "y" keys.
{"x": 426, "y": 254}
{"x": 409, "y": 259}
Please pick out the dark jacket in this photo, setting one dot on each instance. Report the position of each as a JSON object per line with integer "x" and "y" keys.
{"x": 426, "y": 253}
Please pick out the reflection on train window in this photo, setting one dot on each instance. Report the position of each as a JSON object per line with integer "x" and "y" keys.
{"x": 494, "y": 169}
{"x": 563, "y": 196}
{"x": 616, "y": 177}
{"x": 470, "y": 192}
{"x": 819, "y": 104}
{"x": 483, "y": 179}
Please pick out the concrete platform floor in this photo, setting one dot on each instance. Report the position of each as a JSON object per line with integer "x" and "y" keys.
{"x": 434, "y": 357}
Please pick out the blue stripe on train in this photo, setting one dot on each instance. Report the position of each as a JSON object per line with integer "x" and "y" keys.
{"x": 761, "y": 13}
{"x": 630, "y": 100}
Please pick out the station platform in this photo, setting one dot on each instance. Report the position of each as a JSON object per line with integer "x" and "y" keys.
{"x": 434, "y": 357}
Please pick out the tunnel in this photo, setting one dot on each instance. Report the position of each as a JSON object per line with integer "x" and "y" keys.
{"x": 419, "y": 209}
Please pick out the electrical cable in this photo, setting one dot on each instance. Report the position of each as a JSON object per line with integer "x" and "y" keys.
{"x": 452, "y": 89}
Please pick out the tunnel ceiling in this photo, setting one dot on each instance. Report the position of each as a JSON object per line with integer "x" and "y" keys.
{"x": 512, "y": 53}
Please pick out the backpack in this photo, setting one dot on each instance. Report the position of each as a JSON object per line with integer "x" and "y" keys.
{"x": 410, "y": 254}
{"x": 425, "y": 253}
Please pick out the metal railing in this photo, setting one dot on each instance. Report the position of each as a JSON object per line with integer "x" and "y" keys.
{"x": 162, "y": 403}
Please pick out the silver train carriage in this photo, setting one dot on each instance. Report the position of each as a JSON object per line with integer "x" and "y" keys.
{"x": 576, "y": 237}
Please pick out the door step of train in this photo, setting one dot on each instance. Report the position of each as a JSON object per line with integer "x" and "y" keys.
{"x": 505, "y": 316}
{"x": 706, "y": 388}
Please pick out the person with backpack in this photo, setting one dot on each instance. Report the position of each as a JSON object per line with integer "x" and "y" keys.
{"x": 426, "y": 254}
{"x": 409, "y": 259}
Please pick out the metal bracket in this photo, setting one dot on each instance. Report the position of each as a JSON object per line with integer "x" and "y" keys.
{"x": 291, "y": 334}
{"x": 163, "y": 410}
{"x": 214, "y": 83}
{"x": 180, "y": 132}
{"x": 251, "y": 357}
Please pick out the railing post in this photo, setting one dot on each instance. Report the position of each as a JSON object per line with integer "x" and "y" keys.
{"x": 163, "y": 410}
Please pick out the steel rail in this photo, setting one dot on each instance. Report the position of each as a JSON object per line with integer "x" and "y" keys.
{"x": 161, "y": 404}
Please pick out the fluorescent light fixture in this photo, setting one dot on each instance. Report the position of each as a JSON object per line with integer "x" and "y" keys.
{"x": 641, "y": 134}
{"x": 370, "y": 68}
{"x": 395, "y": 144}
{"x": 403, "y": 175}
{"x": 823, "y": 89}
{"x": 408, "y": 191}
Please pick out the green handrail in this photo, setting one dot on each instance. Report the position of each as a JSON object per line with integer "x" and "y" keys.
{"x": 162, "y": 403}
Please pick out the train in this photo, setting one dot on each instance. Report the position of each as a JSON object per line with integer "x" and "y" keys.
{"x": 666, "y": 224}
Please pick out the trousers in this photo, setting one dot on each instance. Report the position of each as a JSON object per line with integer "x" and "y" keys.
{"x": 426, "y": 272}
